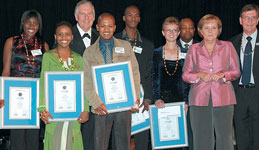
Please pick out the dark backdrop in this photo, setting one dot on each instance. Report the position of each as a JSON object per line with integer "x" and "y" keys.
{"x": 153, "y": 12}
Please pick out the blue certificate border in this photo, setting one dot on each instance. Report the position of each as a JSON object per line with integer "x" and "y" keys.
{"x": 156, "y": 143}
{"x": 130, "y": 89}
{"x": 21, "y": 123}
{"x": 140, "y": 127}
{"x": 76, "y": 76}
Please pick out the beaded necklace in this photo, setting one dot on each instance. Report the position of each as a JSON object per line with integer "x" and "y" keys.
{"x": 176, "y": 65}
{"x": 27, "y": 51}
{"x": 72, "y": 60}
{"x": 242, "y": 49}
{"x": 135, "y": 41}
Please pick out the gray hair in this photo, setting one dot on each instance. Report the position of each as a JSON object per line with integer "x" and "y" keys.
{"x": 84, "y": 2}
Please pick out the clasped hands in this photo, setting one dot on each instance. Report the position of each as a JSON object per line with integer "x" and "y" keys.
{"x": 84, "y": 116}
{"x": 210, "y": 77}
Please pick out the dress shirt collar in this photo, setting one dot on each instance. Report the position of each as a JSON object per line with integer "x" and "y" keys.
{"x": 253, "y": 36}
{"x": 125, "y": 36}
{"x": 82, "y": 32}
{"x": 183, "y": 43}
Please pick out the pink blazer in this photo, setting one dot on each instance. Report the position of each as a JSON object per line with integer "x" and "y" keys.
{"x": 223, "y": 59}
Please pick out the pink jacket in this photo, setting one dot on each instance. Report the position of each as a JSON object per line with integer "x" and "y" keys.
{"x": 224, "y": 59}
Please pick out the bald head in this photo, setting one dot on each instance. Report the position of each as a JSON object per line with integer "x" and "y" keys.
{"x": 186, "y": 29}
{"x": 106, "y": 26}
{"x": 106, "y": 15}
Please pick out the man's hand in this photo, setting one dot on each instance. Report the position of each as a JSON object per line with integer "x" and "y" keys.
{"x": 84, "y": 116}
{"x": 2, "y": 102}
{"x": 135, "y": 108}
{"x": 101, "y": 110}
{"x": 160, "y": 104}
{"x": 145, "y": 104}
{"x": 45, "y": 117}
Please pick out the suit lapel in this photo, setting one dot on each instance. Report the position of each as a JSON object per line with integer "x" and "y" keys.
{"x": 256, "y": 57}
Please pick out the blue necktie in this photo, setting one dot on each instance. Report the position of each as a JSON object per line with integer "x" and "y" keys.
{"x": 246, "y": 75}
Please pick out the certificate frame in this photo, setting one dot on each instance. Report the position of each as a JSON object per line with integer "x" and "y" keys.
{"x": 126, "y": 71}
{"x": 144, "y": 125}
{"x": 157, "y": 143}
{"x": 19, "y": 83}
{"x": 52, "y": 77}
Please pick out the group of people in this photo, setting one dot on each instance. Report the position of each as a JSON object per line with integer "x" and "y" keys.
{"x": 183, "y": 69}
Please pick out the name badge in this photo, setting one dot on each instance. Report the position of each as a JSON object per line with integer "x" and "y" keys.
{"x": 137, "y": 49}
{"x": 119, "y": 50}
{"x": 36, "y": 52}
{"x": 182, "y": 55}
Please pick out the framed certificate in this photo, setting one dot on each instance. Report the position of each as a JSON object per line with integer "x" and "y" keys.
{"x": 168, "y": 126}
{"x": 64, "y": 94}
{"x": 115, "y": 85}
{"x": 140, "y": 121}
{"x": 21, "y": 97}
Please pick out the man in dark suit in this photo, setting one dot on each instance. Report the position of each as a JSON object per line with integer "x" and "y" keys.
{"x": 185, "y": 41}
{"x": 246, "y": 114}
{"x": 143, "y": 50}
{"x": 84, "y": 36}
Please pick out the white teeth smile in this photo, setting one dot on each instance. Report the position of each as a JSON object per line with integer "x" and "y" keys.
{"x": 30, "y": 31}
{"x": 106, "y": 33}
{"x": 64, "y": 41}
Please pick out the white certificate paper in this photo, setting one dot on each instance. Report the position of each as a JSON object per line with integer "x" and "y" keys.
{"x": 64, "y": 96}
{"x": 20, "y": 103}
{"x": 168, "y": 123}
{"x": 114, "y": 87}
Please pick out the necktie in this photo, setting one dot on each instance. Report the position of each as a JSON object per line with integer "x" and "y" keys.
{"x": 108, "y": 54}
{"x": 246, "y": 75}
{"x": 86, "y": 35}
{"x": 186, "y": 46}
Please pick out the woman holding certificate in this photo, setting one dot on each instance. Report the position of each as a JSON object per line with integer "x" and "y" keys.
{"x": 210, "y": 66}
{"x": 166, "y": 70}
{"x": 62, "y": 135}
{"x": 22, "y": 58}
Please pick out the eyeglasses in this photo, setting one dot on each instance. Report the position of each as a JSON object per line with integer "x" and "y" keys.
{"x": 173, "y": 30}
{"x": 253, "y": 18}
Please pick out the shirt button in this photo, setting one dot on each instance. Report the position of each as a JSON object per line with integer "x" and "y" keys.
{"x": 211, "y": 63}
{"x": 211, "y": 70}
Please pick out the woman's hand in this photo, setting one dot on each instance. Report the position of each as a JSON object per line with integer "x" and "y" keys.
{"x": 45, "y": 117}
{"x": 2, "y": 102}
{"x": 160, "y": 104}
{"x": 217, "y": 76}
{"x": 204, "y": 76}
{"x": 84, "y": 116}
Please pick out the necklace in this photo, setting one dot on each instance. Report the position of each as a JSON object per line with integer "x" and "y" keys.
{"x": 243, "y": 49}
{"x": 176, "y": 65}
{"x": 27, "y": 52}
{"x": 63, "y": 64}
{"x": 135, "y": 41}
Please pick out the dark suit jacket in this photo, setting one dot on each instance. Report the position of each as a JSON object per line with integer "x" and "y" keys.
{"x": 77, "y": 44}
{"x": 236, "y": 41}
{"x": 144, "y": 61}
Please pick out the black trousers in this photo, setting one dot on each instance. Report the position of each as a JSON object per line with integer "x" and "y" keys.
{"x": 87, "y": 130}
{"x": 246, "y": 118}
{"x": 24, "y": 139}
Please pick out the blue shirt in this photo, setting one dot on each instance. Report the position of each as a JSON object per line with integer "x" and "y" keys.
{"x": 102, "y": 47}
